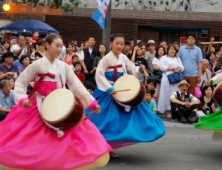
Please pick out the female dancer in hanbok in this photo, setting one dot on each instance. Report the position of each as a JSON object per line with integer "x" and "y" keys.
{"x": 119, "y": 127}
{"x": 26, "y": 142}
{"x": 213, "y": 121}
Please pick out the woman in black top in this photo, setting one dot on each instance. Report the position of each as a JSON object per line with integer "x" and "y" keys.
{"x": 138, "y": 59}
{"x": 207, "y": 104}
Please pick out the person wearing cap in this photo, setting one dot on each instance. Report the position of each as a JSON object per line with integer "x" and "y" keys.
{"x": 13, "y": 40}
{"x": 7, "y": 68}
{"x": 183, "y": 104}
{"x": 191, "y": 57}
{"x": 20, "y": 48}
{"x": 150, "y": 55}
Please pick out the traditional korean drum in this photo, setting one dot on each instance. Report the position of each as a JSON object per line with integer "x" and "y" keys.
{"x": 62, "y": 109}
{"x": 217, "y": 94}
{"x": 134, "y": 96}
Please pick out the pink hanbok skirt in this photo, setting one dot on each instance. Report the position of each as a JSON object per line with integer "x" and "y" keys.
{"x": 26, "y": 142}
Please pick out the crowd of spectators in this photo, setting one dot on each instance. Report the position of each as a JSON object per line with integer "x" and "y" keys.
{"x": 160, "y": 60}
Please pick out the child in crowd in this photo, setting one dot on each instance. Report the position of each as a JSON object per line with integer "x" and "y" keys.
{"x": 34, "y": 38}
{"x": 74, "y": 59}
{"x": 150, "y": 101}
{"x": 89, "y": 86}
{"x": 151, "y": 86}
{"x": 79, "y": 74}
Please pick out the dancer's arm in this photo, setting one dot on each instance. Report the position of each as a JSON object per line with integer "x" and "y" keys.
{"x": 23, "y": 81}
{"x": 79, "y": 90}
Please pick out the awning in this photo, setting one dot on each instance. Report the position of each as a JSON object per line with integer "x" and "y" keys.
{"x": 179, "y": 28}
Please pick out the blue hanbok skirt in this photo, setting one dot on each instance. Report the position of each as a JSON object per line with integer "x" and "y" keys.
{"x": 117, "y": 125}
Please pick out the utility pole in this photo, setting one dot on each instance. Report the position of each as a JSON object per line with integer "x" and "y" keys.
{"x": 107, "y": 30}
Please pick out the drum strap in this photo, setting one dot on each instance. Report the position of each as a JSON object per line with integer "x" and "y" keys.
{"x": 39, "y": 98}
{"x": 123, "y": 63}
{"x": 62, "y": 72}
{"x": 126, "y": 107}
{"x": 38, "y": 84}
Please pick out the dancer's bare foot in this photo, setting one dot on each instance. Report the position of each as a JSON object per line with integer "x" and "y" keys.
{"x": 114, "y": 155}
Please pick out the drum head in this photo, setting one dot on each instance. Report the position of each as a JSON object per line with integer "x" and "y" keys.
{"x": 58, "y": 105}
{"x": 127, "y": 82}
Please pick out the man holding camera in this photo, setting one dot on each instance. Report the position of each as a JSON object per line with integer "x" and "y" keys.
{"x": 183, "y": 104}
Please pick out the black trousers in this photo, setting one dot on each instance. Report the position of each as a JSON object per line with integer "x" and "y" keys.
{"x": 3, "y": 115}
{"x": 178, "y": 111}
{"x": 89, "y": 77}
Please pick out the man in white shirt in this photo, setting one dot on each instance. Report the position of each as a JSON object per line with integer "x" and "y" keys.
{"x": 183, "y": 104}
{"x": 20, "y": 48}
{"x": 87, "y": 58}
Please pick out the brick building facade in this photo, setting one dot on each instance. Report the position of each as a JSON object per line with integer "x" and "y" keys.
{"x": 138, "y": 24}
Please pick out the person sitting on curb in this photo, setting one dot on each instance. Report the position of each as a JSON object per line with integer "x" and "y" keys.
{"x": 183, "y": 104}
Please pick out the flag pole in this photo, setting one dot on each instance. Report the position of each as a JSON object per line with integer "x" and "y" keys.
{"x": 107, "y": 30}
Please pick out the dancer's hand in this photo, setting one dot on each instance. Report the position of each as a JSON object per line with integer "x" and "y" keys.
{"x": 26, "y": 103}
{"x": 112, "y": 93}
{"x": 142, "y": 66}
{"x": 97, "y": 109}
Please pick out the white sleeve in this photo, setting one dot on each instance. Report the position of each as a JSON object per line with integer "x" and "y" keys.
{"x": 101, "y": 80}
{"x": 154, "y": 61}
{"x": 163, "y": 66}
{"x": 208, "y": 75}
{"x": 77, "y": 87}
{"x": 14, "y": 47}
{"x": 174, "y": 95}
{"x": 82, "y": 55}
{"x": 23, "y": 81}
{"x": 193, "y": 99}
{"x": 131, "y": 68}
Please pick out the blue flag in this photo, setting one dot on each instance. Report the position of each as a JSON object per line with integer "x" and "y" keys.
{"x": 100, "y": 14}
{"x": 98, "y": 17}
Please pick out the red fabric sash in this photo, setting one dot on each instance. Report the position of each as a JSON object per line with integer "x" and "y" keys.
{"x": 42, "y": 76}
{"x": 115, "y": 76}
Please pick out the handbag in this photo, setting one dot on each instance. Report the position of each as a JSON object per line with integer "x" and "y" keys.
{"x": 175, "y": 77}
{"x": 197, "y": 92}
{"x": 198, "y": 89}
{"x": 157, "y": 76}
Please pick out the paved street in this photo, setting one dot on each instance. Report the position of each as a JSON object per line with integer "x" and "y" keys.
{"x": 182, "y": 148}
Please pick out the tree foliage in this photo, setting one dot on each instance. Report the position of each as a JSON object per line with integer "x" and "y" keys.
{"x": 67, "y": 5}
